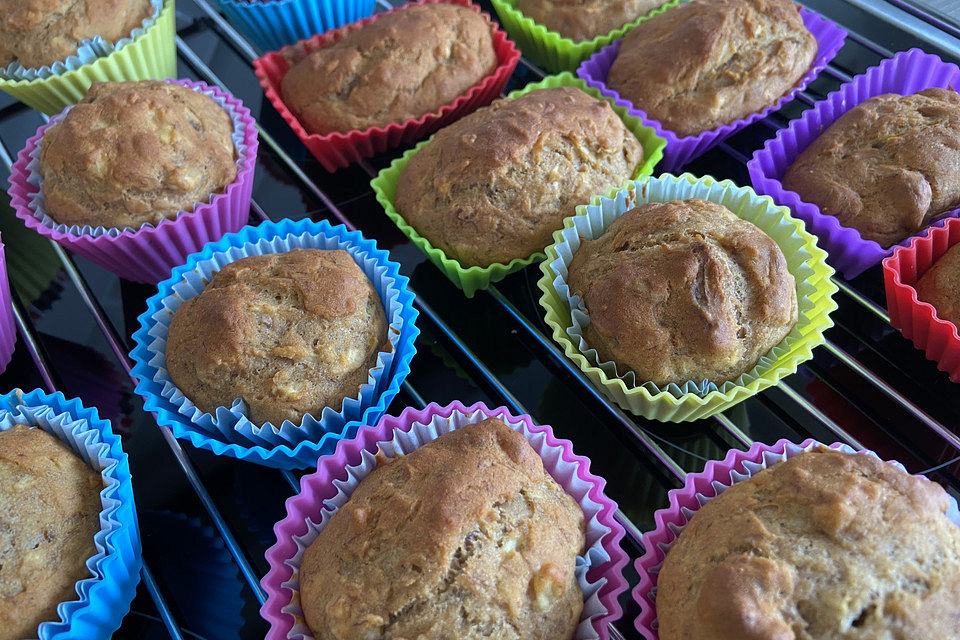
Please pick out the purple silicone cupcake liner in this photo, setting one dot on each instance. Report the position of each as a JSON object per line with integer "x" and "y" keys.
{"x": 8, "y": 333}
{"x": 679, "y": 150}
{"x": 149, "y": 253}
{"x": 905, "y": 73}
{"x": 599, "y": 569}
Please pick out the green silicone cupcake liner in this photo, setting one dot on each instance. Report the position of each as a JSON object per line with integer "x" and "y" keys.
{"x": 548, "y": 48}
{"x": 805, "y": 261}
{"x": 152, "y": 55}
{"x": 473, "y": 278}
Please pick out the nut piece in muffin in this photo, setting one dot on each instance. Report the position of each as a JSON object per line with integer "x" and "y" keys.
{"x": 887, "y": 167}
{"x": 586, "y": 19}
{"x": 465, "y": 537}
{"x": 405, "y": 64}
{"x": 683, "y": 290}
{"x": 940, "y": 286}
{"x": 50, "y": 506}
{"x": 706, "y": 63}
{"x": 132, "y": 153}
{"x": 289, "y": 333}
{"x": 495, "y": 185}
{"x": 37, "y": 33}
{"x": 823, "y": 546}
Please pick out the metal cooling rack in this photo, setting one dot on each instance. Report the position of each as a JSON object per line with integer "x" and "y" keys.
{"x": 206, "y": 521}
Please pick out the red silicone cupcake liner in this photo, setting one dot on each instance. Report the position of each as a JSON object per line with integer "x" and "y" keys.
{"x": 148, "y": 254}
{"x": 337, "y": 150}
{"x": 918, "y": 320}
{"x": 8, "y": 333}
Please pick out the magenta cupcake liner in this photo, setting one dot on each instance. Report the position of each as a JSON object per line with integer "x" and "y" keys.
{"x": 905, "y": 73}
{"x": 149, "y": 253}
{"x": 8, "y": 332}
{"x": 679, "y": 151}
{"x": 700, "y": 488}
{"x": 599, "y": 569}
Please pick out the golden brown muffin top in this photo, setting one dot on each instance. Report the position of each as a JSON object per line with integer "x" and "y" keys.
{"x": 465, "y": 537}
{"x": 824, "y": 546}
{"x": 49, "y": 513}
{"x": 135, "y": 152}
{"x": 289, "y": 333}
{"x": 405, "y": 64}
{"x": 496, "y": 184}
{"x": 706, "y": 63}
{"x": 582, "y": 20}
{"x": 940, "y": 286}
{"x": 886, "y": 167}
{"x": 683, "y": 290}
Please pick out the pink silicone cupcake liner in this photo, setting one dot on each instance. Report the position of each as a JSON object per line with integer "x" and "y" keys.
{"x": 905, "y": 73}
{"x": 149, "y": 253}
{"x": 700, "y": 488}
{"x": 599, "y": 570}
{"x": 8, "y": 333}
{"x": 679, "y": 150}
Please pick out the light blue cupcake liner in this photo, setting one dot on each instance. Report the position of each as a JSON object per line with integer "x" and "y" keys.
{"x": 104, "y": 598}
{"x": 273, "y": 24}
{"x": 230, "y": 431}
{"x": 89, "y": 50}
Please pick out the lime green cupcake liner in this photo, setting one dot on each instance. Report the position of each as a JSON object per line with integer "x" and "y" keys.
{"x": 549, "y": 49}
{"x": 474, "y": 278}
{"x": 805, "y": 261}
{"x": 152, "y": 55}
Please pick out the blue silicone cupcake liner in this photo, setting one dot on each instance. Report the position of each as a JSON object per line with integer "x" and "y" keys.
{"x": 272, "y": 24}
{"x": 104, "y": 598}
{"x": 229, "y": 431}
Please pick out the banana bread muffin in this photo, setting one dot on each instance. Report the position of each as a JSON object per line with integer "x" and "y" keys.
{"x": 706, "y": 63}
{"x": 50, "y": 506}
{"x": 466, "y": 537}
{"x": 586, "y": 19}
{"x": 683, "y": 290}
{"x": 940, "y": 286}
{"x": 289, "y": 333}
{"x": 403, "y": 65}
{"x": 823, "y": 546}
{"x": 132, "y": 153}
{"x": 887, "y": 167}
{"x": 496, "y": 184}
{"x": 36, "y": 33}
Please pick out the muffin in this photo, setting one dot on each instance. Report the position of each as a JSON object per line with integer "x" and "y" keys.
{"x": 706, "y": 63}
{"x": 495, "y": 185}
{"x": 403, "y": 65}
{"x": 465, "y": 537}
{"x": 37, "y": 33}
{"x": 940, "y": 286}
{"x": 586, "y": 19}
{"x": 683, "y": 290}
{"x": 823, "y": 546}
{"x": 886, "y": 167}
{"x": 51, "y": 511}
{"x": 132, "y": 153}
{"x": 288, "y": 333}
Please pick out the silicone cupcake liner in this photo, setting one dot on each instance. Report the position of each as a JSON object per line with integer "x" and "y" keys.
{"x": 905, "y": 73}
{"x": 104, "y": 597}
{"x": 151, "y": 54}
{"x": 548, "y": 48}
{"x": 8, "y": 332}
{"x": 272, "y": 24}
{"x": 229, "y": 431}
{"x": 599, "y": 569}
{"x": 681, "y": 150}
{"x": 692, "y": 401}
{"x": 147, "y": 254}
{"x": 471, "y": 279}
{"x": 337, "y": 150}
{"x": 700, "y": 488}
{"x": 918, "y": 320}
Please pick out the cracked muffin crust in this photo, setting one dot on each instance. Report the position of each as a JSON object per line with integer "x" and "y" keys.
{"x": 683, "y": 290}
{"x": 289, "y": 333}
{"x": 465, "y": 537}
{"x": 403, "y": 65}
{"x": 131, "y": 153}
{"x": 706, "y": 63}
{"x": 586, "y": 19}
{"x": 940, "y": 286}
{"x": 824, "y": 546}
